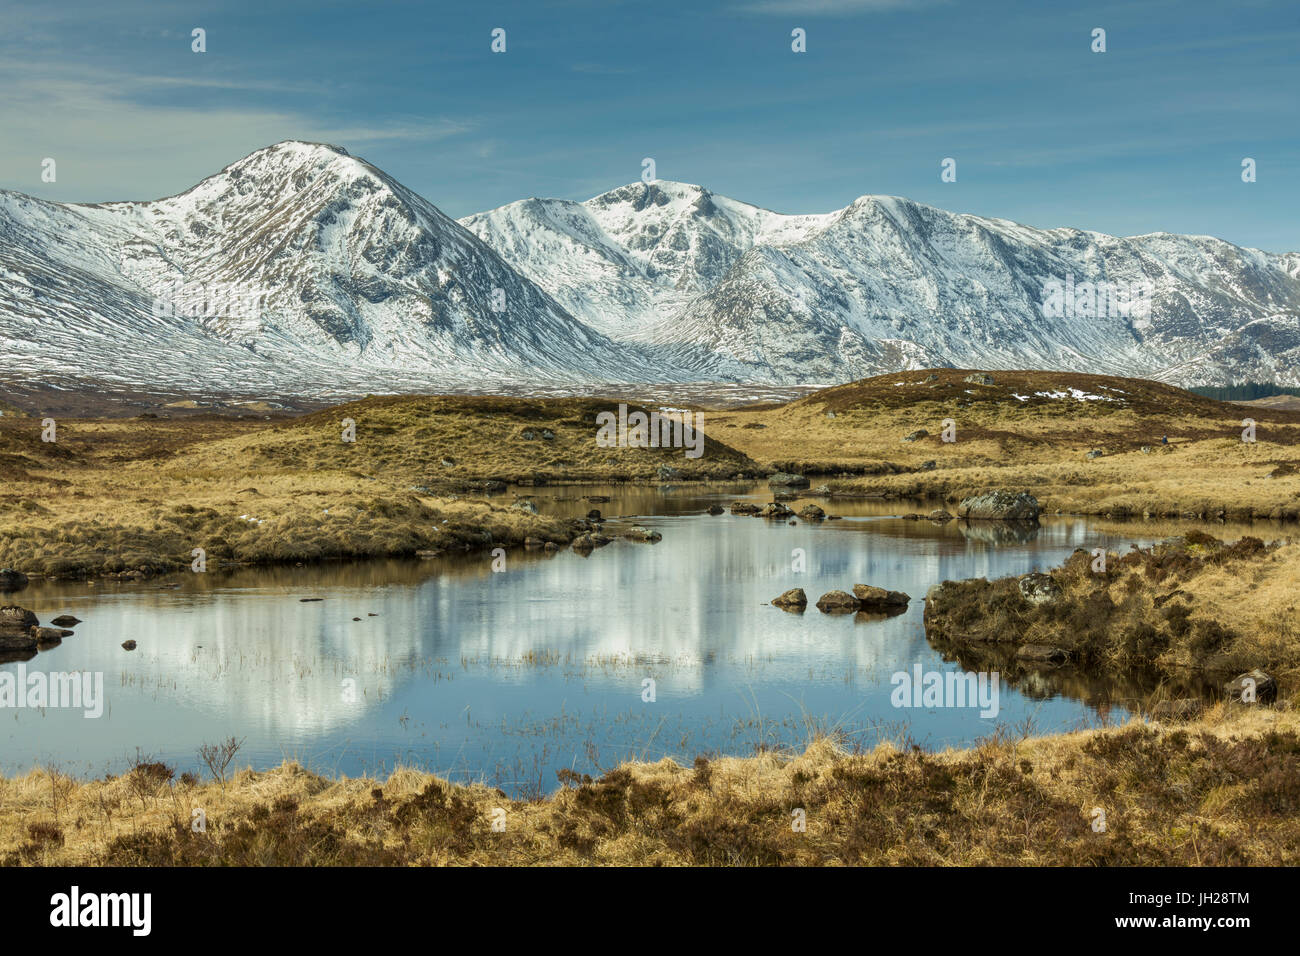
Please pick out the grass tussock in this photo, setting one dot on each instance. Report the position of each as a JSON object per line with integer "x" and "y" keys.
{"x": 1190, "y": 605}
{"x": 1222, "y": 791}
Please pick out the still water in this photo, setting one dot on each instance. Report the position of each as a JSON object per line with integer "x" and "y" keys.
{"x": 508, "y": 676}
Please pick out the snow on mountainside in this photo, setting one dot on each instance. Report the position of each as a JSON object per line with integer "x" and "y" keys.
{"x": 322, "y": 273}
{"x": 330, "y": 278}
{"x": 887, "y": 283}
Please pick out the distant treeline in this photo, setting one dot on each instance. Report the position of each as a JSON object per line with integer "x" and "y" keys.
{"x": 1247, "y": 392}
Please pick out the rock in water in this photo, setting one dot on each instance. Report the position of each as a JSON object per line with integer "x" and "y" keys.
{"x": 870, "y": 597}
{"x": 1000, "y": 506}
{"x": 66, "y": 620}
{"x": 785, "y": 479}
{"x": 837, "y": 602}
{"x": 791, "y": 598}
{"x": 11, "y": 580}
{"x": 128, "y": 645}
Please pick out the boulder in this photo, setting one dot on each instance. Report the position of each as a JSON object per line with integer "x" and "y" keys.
{"x": 916, "y": 435}
{"x": 928, "y": 465}
{"x": 979, "y": 378}
{"x": 667, "y": 473}
{"x": 785, "y": 479}
{"x": 837, "y": 602}
{"x": 775, "y": 510}
{"x": 50, "y": 635}
{"x": 871, "y": 597}
{"x": 811, "y": 512}
{"x": 1000, "y": 506}
{"x": 639, "y": 533}
{"x": 16, "y": 627}
{"x": 1240, "y": 688}
{"x": 744, "y": 508}
{"x": 11, "y": 580}
{"x": 526, "y": 505}
{"x": 594, "y": 515}
{"x": 590, "y": 541}
{"x": 66, "y": 620}
{"x": 792, "y": 598}
{"x": 1095, "y": 453}
{"x": 1039, "y": 588}
{"x": 128, "y": 645}
{"x": 939, "y": 514}
{"x": 15, "y": 618}
{"x": 823, "y": 490}
{"x": 716, "y": 509}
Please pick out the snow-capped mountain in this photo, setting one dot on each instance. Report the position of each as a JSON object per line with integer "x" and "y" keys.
{"x": 887, "y": 283}
{"x": 299, "y": 267}
{"x": 304, "y": 270}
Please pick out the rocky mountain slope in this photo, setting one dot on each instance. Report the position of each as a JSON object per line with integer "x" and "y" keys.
{"x": 304, "y": 270}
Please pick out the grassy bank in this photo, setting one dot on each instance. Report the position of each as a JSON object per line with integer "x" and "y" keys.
{"x": 115, "y": 496}
{"x": 1190, "y": 606}
{"x": 1032, "y": 431}
{"x": 1222, "y": 791}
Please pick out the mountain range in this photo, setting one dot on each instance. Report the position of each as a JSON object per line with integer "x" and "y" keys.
{"x": 304, "y": 270}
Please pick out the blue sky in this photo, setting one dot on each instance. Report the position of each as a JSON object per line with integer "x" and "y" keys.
{"x": 1145, "y": 137}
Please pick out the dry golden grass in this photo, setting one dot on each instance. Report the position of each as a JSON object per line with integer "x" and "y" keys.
{"x": 115, "y": 495}
{"x": 1038, "y": 444}
{"x": 1224, "y": 790}
{"x": 1191, "y": 607}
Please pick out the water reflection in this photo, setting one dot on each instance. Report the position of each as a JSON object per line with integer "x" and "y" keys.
{"x": 507, "y": 677}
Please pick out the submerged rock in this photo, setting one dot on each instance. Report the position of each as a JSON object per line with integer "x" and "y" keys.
{"x": 639, "y": 533}
{"x": 1042, "y": 654}
{"x": 66, "y": 620}
{"x": 744, "y": 508}
{"x": 940, "y": 515}
{"x": 128, "y": 645}
{"x": 716, "y": 509}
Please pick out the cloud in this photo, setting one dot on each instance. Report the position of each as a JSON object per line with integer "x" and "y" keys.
{"x": 112, "y": 140}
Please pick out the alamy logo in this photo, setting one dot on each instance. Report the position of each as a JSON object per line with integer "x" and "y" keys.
{"x": 676, "y": 429}
{"x": 946, "y": 689}
{"x": 82, "y": 690}
{"x": 1095, "y": 300}
{"x": 103, "y": 909}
